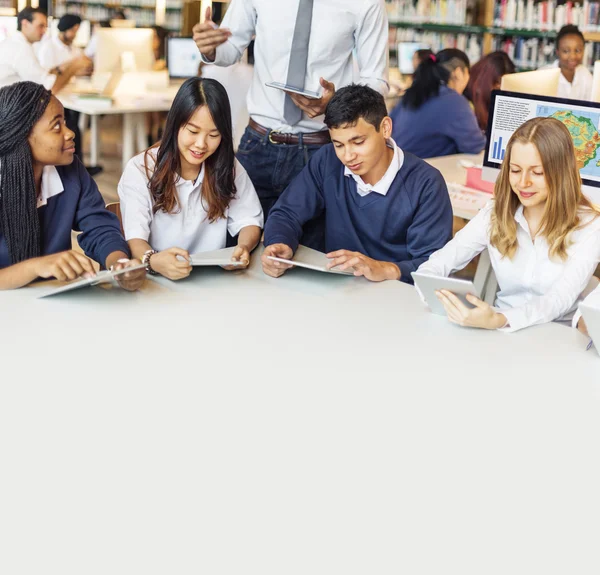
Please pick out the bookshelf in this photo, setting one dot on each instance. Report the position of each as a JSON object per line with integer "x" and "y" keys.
{"x": 143, "y": 12}
{"x": 525, "y": 29}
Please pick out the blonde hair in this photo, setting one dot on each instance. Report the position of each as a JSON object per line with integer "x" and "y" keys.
{"x": 565, "y": 199}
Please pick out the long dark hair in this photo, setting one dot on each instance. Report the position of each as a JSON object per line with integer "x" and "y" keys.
{"x": 432, "y": 73}
{"x": 485, "y": 77}
{"x": 218, "y": 187}
{"x": 21, "y": 106}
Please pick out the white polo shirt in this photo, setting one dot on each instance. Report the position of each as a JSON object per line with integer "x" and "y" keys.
{"x": 53, "y": 52}
{"x": 18, "y": 63}
{"x": 188, "y": 228}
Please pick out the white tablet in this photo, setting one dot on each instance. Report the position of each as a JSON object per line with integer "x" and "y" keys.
{"x": 215, "y": 258}
{"x": 591, "y": 315}
{"x": 102, "y": 277}
{"x": 286, "y": 88}
{"x": 428, "y": 284}
{"x": 311, "y": 260}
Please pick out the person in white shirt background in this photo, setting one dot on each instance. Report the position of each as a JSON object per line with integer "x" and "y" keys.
{"x": 56, "y": 51}
{"x": 309, "y": 44}
{"x": 575, "y": 80}
{"x": 18, "y": 61}
{"x": 542, "y": 234}
{"x": 185, "y": 194}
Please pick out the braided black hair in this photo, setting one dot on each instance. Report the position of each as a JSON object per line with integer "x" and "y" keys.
{"x": 21, "y": 106}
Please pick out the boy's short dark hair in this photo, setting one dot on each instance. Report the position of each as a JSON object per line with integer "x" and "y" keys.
{"x": 353, "y": 102}
{"x": 568, "y": 30}
{"x": 28, "y": 14}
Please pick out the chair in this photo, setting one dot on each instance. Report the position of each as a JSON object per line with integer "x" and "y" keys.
{"x": 115, "y": 208}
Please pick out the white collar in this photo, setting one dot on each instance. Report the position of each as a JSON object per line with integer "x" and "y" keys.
{"x": 51, "y": 185}
{"x": 382, "y": 186}
{"x": 194, "y": 184}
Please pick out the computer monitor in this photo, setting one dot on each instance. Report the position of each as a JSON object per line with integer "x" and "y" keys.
{"x": 540, "y": 82}
{"x": 183, "y": 57}
{"x": 406, "y": 51}
{"x": 596, "y": 82}
{"x": 8, "y": 26}
{"x": 133, "y": 47}
{"x": 508, "y": 110}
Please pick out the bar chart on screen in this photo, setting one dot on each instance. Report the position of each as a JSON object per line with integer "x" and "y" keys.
{"x": 498, "y": 148}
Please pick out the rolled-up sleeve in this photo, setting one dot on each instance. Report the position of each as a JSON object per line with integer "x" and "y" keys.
{"x": 245, "y": 209}
{"x": 136, "y": 203}
{"x": 372, "y": 46}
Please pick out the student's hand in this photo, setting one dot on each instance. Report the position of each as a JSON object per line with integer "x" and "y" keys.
{"x": 582, "y": 327}
{"x": 208, "y": 36}
{"x": 130, "y": 281}
{"x": 240, "y": 254}
{"x": 482, "y": 315}
{"x": 311, "y": 107}
{"x": 64, "y": 266}
{"x": 83, "y": 65}
{"x": 272, "y": 268}
{"x": 373, "y": 270}
{"x": 167, "y": 264}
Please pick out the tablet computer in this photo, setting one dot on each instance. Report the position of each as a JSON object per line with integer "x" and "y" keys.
{"x": 214, "y": 258}
{"x": 102, "y": 277}
{"x": 428, "y": 284}
{"x": 591, "y": 315}
{"x": 287, "y": 88}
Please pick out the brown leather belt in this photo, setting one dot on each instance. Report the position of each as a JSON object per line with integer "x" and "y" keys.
{"x": 275, "y": 137}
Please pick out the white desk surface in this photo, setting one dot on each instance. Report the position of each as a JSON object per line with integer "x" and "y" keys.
{"x": 235, "y": 423}
{"x": 152, "y": 102}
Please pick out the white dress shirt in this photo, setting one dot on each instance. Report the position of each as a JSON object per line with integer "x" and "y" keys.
{"x": 188, "y": 228}
{"x": 533, "y": 288}
{"x": 51, "y": 185}
{"x": 579, "y": 89}
{"x": 383, "y": 185}
{"x": 53, "y": 52}
{"x": 339, "y": 27}
{"x": 18, "y": 63}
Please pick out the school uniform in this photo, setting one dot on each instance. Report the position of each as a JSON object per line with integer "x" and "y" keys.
{"x": 443, "y": 125}
{"x": 402, "y": 219}
{"x": 188, "y": 227}
{"x": 70, "y": 200}
{"x": 534, "y": 288}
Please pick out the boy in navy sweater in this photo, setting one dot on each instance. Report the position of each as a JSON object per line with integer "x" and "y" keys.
{"x": 385, "y": 211}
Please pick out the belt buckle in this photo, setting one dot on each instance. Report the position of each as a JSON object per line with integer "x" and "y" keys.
{"x": 271, "y": 139}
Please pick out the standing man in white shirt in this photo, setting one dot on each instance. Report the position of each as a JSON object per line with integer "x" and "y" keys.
{"x": 308, "y": 44}
{"x": 18, "y": 62}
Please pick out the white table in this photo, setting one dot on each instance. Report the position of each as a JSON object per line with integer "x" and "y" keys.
{"x": 233, "y": 423}
{"x": 131, "y": 108}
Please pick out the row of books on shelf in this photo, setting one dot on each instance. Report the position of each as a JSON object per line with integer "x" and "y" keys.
{"x": 141, "y": 17}
{"x": 433, "y": 11}
{"x": 533, "y": 53}
{"x": 470, "y": 44}
{"x": 146, "y": 4}
{"x": 547, "y": 15}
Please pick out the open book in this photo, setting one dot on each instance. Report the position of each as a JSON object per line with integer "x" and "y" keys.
{"x": 102, "y": 277}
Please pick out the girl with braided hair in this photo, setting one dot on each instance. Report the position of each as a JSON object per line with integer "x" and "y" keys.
{"x": 45, "y": 193}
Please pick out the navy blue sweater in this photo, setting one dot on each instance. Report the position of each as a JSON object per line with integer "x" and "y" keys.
{"x": 405, "y": 226}
{"x": 79, "y": 207}
{"x": 443, "y": 125}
